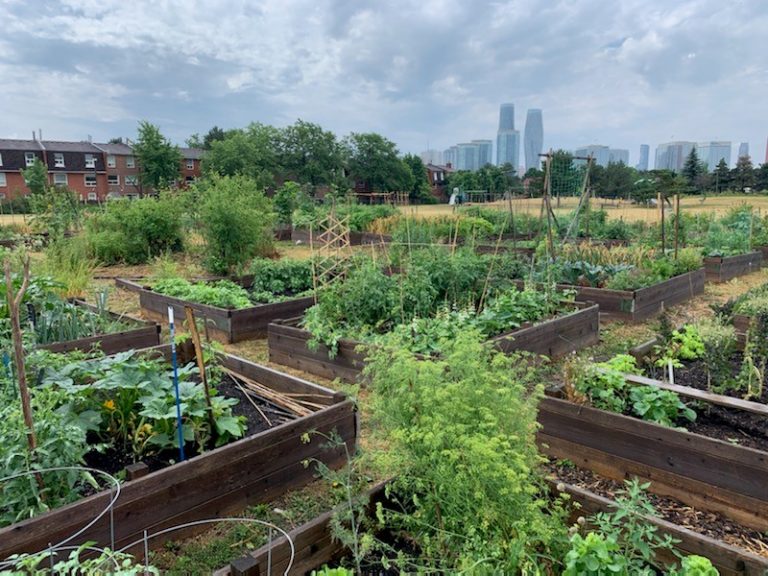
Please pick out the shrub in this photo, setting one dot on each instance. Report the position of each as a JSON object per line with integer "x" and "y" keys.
{"x": 276, "y": 279}
{"x": 134, "y": 231}
{"x": 236, "y": 221}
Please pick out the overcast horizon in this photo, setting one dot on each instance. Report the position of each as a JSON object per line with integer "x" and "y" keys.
{"x": 426, "y": 75}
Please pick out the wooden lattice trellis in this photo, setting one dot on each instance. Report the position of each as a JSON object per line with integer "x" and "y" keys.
{"x": 330, "y": 247}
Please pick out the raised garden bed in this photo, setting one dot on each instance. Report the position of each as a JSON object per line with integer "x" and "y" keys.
{"x": 220, "y": 482}
{"x": 223, "y": 324}
{"x": 554, "y": 338}
{"x": 143, "y": 334}
{"x": 723, "y": 268}
{"x": 315, "y": 546}
{"x": 703, "y": 472}
{"x": 643, "y": 303}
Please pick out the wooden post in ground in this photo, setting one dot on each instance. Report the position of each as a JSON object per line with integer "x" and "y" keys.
{"x": 660, "y": 202}
{"x": 677, "y": 223}
{"x": 192, "y": 326}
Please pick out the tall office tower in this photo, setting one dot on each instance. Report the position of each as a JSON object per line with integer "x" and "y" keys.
{"x": 506, "y": 117}
{"x": 712, "y": 152}
{"x": 533, "y": 140}
{"x": 507, "y": 138}
{"x": 672, "y": 155}
{"x": 508, "y": 148}
{"x": 743, "y": 149}
{"x": 616, "y": 155}
{"x": 432, "y": 157}
{"x": 484, "y": 152}
{"x": 467, "y": 155}
{"x": 603, "y": 155}
{"x": 645, "y": 151}
{"x": 451, "y": 156}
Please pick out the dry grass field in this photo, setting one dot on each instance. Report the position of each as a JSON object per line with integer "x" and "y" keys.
{"x": 615, "y": 208}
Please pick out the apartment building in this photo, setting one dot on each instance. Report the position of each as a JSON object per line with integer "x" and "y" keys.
{"x": 93, "y": 171}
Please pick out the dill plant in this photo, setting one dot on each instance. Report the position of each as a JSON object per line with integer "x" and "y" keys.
{"x": 461, "y": 434}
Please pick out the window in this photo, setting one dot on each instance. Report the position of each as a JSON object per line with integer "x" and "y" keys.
{"x": 60, "y": 180}
{"x": 113, "y": 179}
{"x": 29, "y": 159}
{"x": 111, "y": 161}
{"x": 90, "y": 161}
{"x": 2, "y": 194}
{"x": 58, "y": 160}
{"x": 190, "y": 164}
{"x": 131, "y": 180}
{"x": 90, "y": 180}
{"x": 130, "y": 162}
{"x": 92, "y": 196}
{"x": 3, "y": 181}
{"x": 1, "y": 159}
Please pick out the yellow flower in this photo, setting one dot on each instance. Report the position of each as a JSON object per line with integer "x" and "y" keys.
{"x": 109, "y": 405}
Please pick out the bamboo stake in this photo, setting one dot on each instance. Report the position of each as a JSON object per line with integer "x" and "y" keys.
{"x": 192, "y": 326}
{"x": 270, "y": 394}
{"x": 677, "y": 223}
{"x": 248, "y": 397}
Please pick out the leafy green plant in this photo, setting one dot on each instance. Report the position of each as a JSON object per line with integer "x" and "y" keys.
{"x": 325, "y": 571}
{"x": 236, "y": 222}
{"x": 106, "y": 562}
{"x": 461, "y": 436}
{"x": 660, "y": 406}
{"x": 594, "y": 555}
{"x": 278, "y": 280}
{"x": 134, "y": 231}
{"x": 694, "y": 566}
{"x": 223, "y": 293}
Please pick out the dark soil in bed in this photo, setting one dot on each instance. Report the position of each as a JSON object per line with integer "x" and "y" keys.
{"x": 734, "y": 426}
{"x": 702, "y": 522}
{"x": 260, "y": 415}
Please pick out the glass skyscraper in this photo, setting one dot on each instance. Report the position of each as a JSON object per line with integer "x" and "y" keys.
{"x": 507, "y": 138}
{"x": 645, "y": 152}
{"x": 533, "y": 140}
{"x": 743, "y": 149}
{"x": 712, "y": 152}
{"x": 672, "y": 155}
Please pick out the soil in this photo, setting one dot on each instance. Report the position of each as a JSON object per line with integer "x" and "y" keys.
{"x": 703, "y": 522}
{"x": 114, "y": 459}
{"x": 734, "y": 426}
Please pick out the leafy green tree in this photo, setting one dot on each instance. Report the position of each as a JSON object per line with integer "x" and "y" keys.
{"x": 214, "y": 134}
{"x": 743, "y": 173}
{"x": 308, "y": 154}
{"x": 373, "y": 160}
{"x": 613, "y": 181}
{"x": 236, "y": 221}
{"x": 251, "y": 152}
{"x": 692, "y": 170}
{"x": 566, "y": 176}
{"x": 721, "y": 176}
{"x": 36, "y": 177}
{"x": 285, "y": 201}
{"x": 533, "y": 182}
{"x": 159, "y": 160}
{"x": 419, "y": 189}
{"x": 761, "y": 177}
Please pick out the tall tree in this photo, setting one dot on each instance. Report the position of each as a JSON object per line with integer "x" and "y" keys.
{"x": 761, "y": 178}
{"x": 373, "y": 160}
{"x": 36, "y": 177}
{"x": 308, "y": 154}
{"x": 692, "y": 170}
{"x": 159, "y": 160}
{"x": 743, "y": 173}
{"x": 419, "y": 189}
{"x": 721, "y": 176}
{"x": 251, "y": 152}
{"x": 614, "y": 181}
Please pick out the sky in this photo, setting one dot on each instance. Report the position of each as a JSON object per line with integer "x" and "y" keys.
{"x": 424, "y": 74}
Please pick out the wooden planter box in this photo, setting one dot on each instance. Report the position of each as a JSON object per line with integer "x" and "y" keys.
{"x": 224, "y": 324}
{"x": 703, "y": 472}
{"x": 144, "y": 335}
{"x": 556, "y": 337}
{"x": 218, "y": 483}
{"x": 315, "y": 546}
{"x": 723, "y": 268}
{"x": 643, "y": 303}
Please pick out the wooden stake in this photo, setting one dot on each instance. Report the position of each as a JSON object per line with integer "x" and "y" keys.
{"x": 192, "y": 326}
{"x": 659, "y": 200}
{"x": 14, "y": 302}
{"x": 677, "y": 223}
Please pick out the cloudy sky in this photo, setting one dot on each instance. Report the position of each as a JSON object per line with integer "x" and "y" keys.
{"x": 429, "y": 73}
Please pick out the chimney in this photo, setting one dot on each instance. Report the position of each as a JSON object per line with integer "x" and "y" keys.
{"x": 34, "y": 135}
{"x": 89, "y": 139}
{"x": 40, "y": 134}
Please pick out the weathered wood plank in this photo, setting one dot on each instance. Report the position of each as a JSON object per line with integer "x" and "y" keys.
{"x": 724, "y": 268}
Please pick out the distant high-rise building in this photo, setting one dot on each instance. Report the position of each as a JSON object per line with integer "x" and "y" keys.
{"x": 603, "y": 155}
{"x": 432, "y": 157}
{"x": 484, "y": 152}
{"x": 507, "y": 138}
{"x": 467, "y": 156}
{"x": 672, "y": 155}
{"x": 743, "y": 149}
{"x": 645, "y": 151}
{"x": 766, "y": 151}
{"x": 533, "y": 139}
{"x": 451, "y": 156}
{"x": 506, "y": 117}
{"x": 712, "y": 152}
